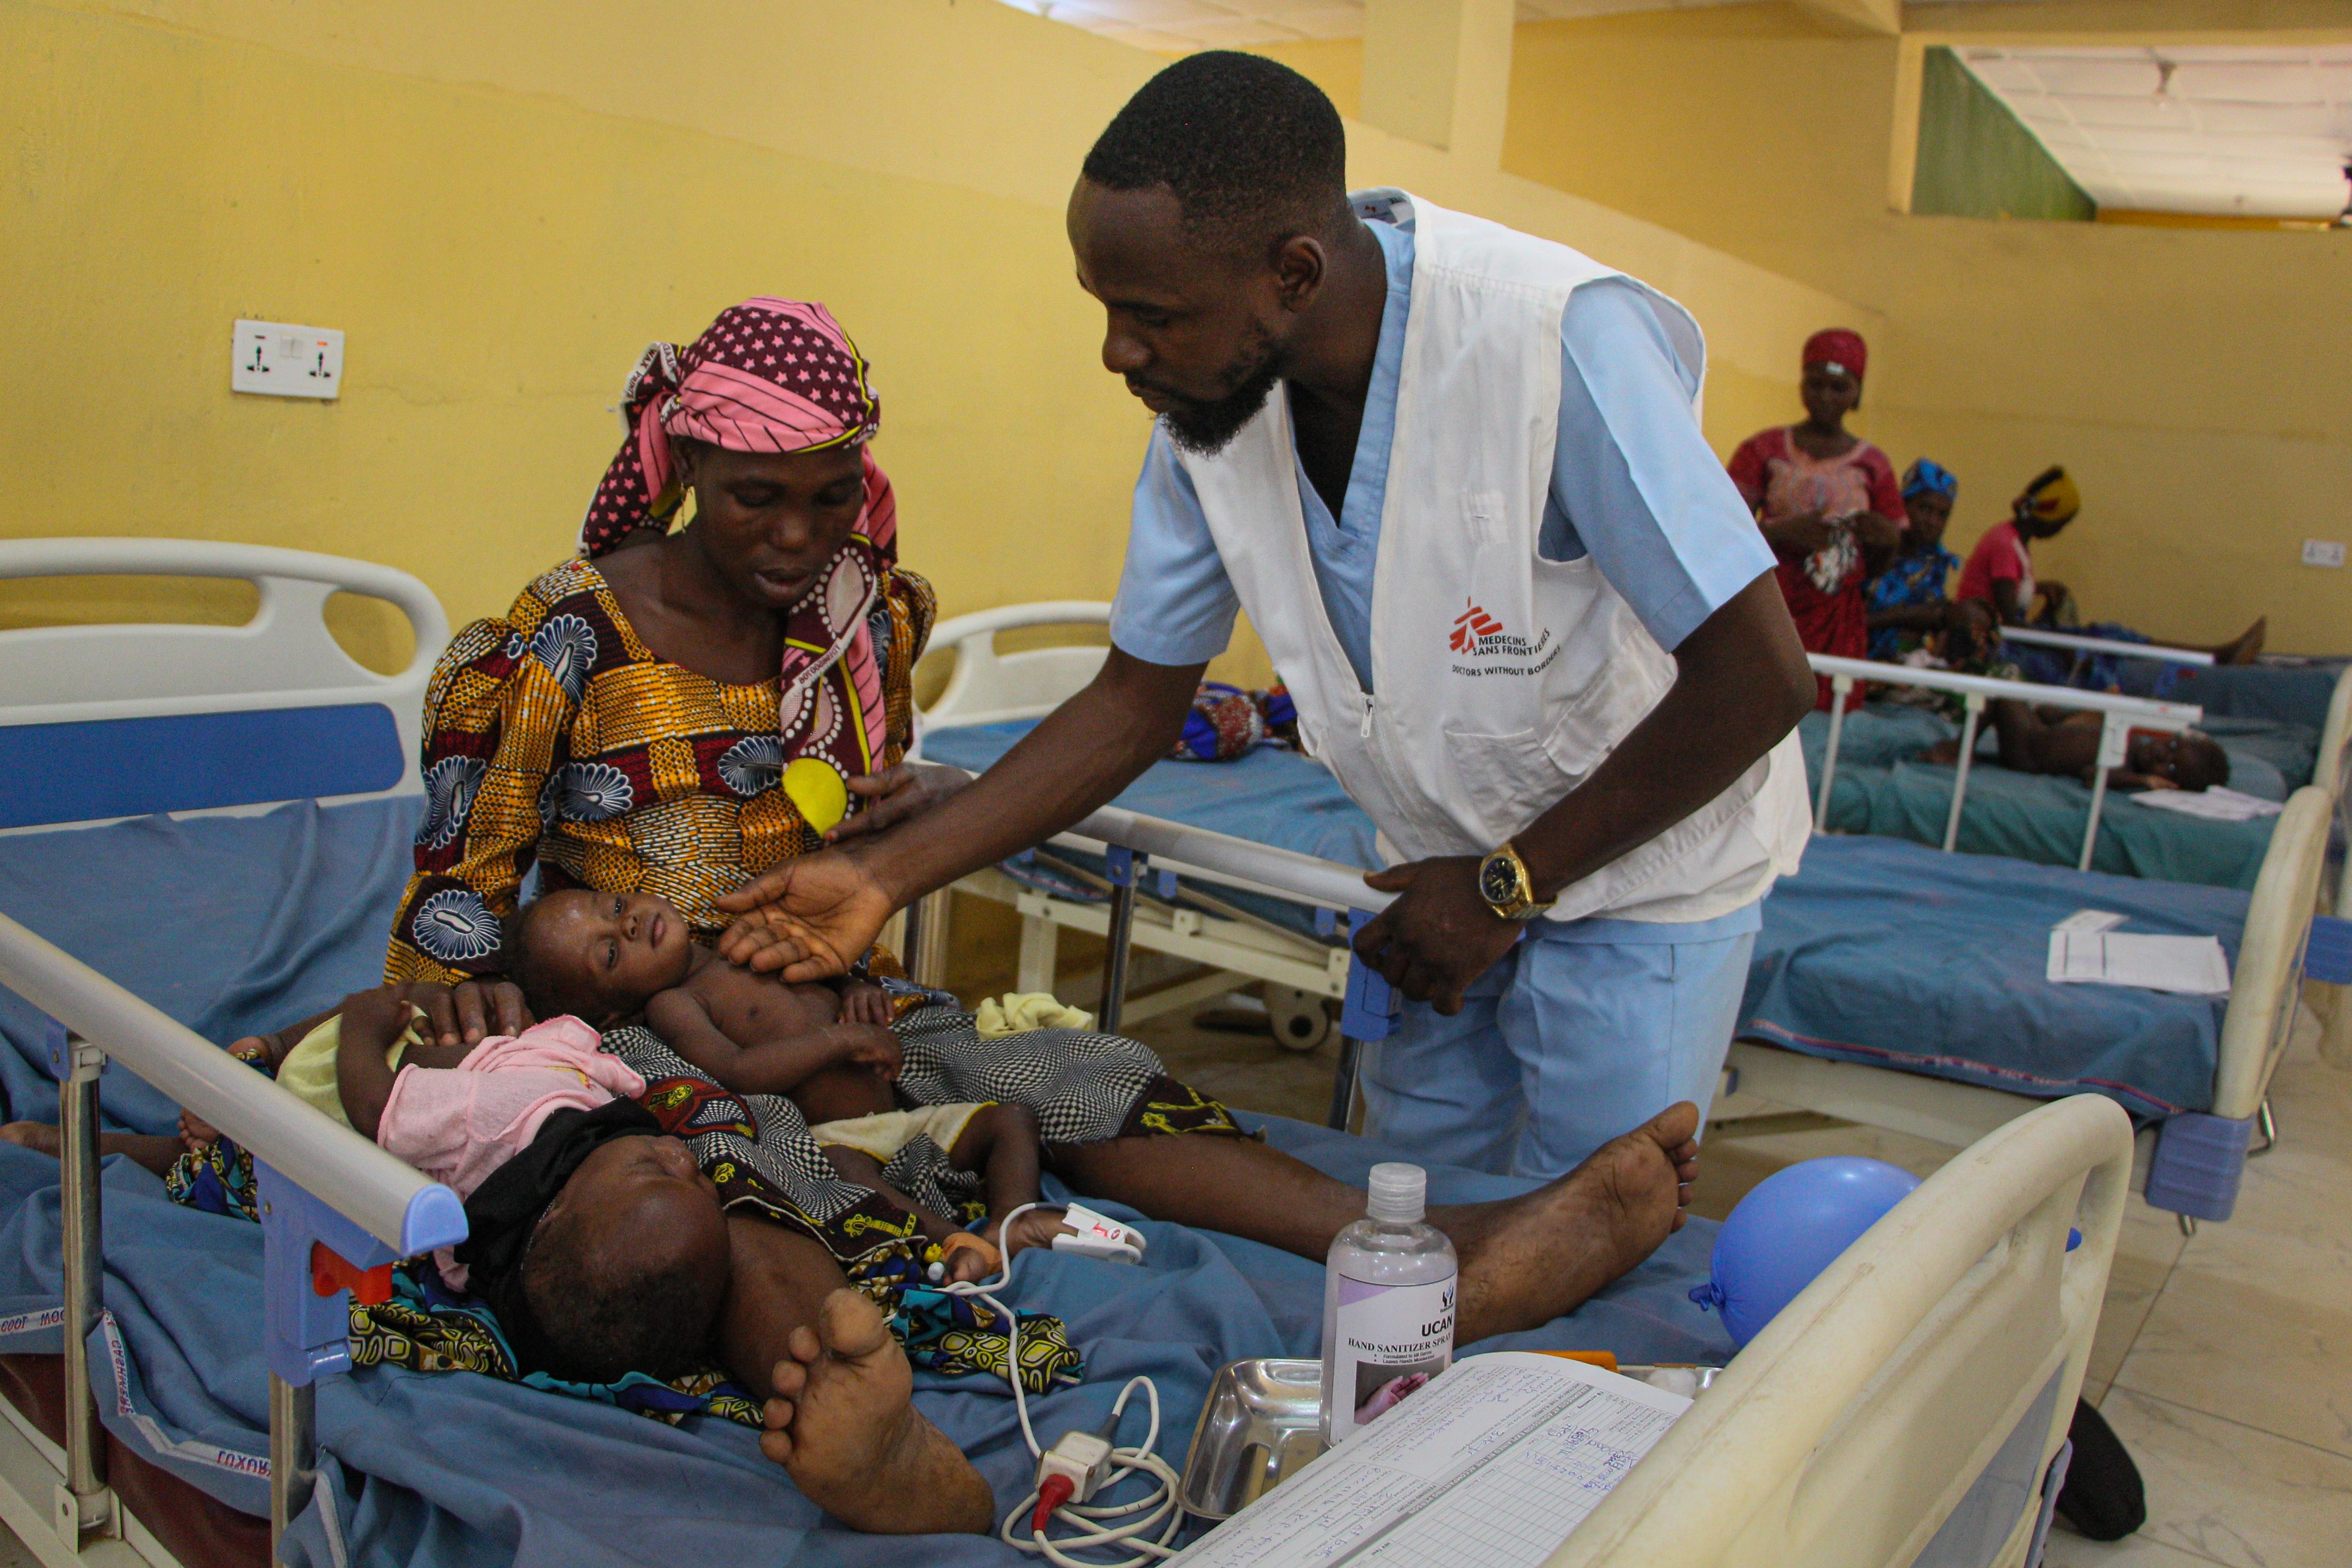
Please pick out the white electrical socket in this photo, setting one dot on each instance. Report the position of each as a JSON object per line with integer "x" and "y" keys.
{"x": 2323, "y": 553}
{"x": 282, "y": 361}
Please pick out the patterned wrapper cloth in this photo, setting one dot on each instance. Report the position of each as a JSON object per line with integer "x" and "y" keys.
{"x": 772, "y": 375}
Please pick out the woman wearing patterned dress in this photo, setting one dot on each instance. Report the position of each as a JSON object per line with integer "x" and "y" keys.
{"x": 678, "y": 711}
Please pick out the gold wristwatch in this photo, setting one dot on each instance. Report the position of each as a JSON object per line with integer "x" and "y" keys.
{"x": 1503, "y": 883}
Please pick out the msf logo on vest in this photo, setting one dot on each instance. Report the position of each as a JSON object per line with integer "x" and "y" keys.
{"x": 1480, "y": 637}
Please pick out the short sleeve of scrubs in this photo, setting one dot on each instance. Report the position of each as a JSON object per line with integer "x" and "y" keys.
{"x": 1175, "y": 604}
{"x": 1633, "y": 482}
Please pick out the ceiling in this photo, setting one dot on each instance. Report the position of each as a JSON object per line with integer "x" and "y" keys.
{"x": 2263, "y": 132}
{"x": 2255, "y": 132}
{"x": 1178, "y": 26}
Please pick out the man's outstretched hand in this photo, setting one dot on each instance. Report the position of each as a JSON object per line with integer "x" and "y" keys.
{"x": 810, "y": 917}
{"x": 1439, "y": 935}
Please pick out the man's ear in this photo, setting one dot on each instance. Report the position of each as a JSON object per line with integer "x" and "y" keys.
{"x": 1300, "y": 265}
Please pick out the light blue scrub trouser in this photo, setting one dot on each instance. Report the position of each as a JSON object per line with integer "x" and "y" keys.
{"x": 1581, "y": 1033}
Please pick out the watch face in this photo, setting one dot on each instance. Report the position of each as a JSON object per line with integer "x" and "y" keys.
{"x": 1498, "y": 879}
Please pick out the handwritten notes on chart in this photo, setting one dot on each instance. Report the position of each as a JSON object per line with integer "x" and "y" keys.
{"x": 1491, "y": 1466}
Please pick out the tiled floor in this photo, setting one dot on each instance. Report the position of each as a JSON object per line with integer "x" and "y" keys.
{"x": 2224, "y": 1360}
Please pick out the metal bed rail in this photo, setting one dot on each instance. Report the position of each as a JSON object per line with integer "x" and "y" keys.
{"x": 2084, "y": 645}
{"x": 2120, "y": 715}
{"x": 336, "y": 1212}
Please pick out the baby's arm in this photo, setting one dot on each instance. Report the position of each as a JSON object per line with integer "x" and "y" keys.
{"x": 373, "y": 1020}
{"x": 775, "y": 1066}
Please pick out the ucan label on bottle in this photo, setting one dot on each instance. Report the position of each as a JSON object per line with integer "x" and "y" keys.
{"x": 1391, "y": 1339}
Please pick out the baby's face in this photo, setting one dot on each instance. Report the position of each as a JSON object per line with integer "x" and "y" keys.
{"x": 609, "y": 953}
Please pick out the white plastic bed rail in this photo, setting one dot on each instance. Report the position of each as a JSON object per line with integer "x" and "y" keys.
{"x": 285, "y": 657}
{"x": 327, "y": 1194}
{"x": 2044, "y": 639}
{"x": 1952, "y": 1335}
{"x": 2120, "y": 715}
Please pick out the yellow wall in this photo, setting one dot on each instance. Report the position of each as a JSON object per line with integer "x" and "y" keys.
{"x": 500, "y": 209}
{"x": 2198, "y": 383}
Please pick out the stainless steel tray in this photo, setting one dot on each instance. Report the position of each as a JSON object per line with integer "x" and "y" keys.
{"x": 1263, "y": 1422}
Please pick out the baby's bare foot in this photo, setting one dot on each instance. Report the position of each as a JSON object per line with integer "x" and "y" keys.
{"x": 843, "y": 1426}
{"x": 1527, "y": 1260}
{"x": 36, "y": 1135}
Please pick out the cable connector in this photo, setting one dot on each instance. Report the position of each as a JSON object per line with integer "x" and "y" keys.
{"x": 1080, "y": 1459}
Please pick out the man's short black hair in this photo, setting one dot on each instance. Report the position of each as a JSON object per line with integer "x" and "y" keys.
{"x": 1247, "y": 146}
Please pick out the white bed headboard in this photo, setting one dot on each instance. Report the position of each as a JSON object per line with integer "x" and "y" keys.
{"x": 989, "y": 686}
{"x": 103, "y": 721}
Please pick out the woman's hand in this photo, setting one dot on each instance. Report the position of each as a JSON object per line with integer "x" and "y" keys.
{"x": 465, "y": 1013}
{"x": 810, "y": 917}
{"x": 1439, "y": 935}
{"x": 895, "y": 795}
{"x": 1799, "y": 535}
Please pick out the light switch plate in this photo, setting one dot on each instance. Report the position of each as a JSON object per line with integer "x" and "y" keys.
{"x": 279, "y": 360}
{"x": 2323, "y": 553}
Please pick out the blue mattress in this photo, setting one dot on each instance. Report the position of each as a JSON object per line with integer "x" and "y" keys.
{"x": 1899, "y": 955}
{"x": 2296, "y": 694}
{"x": 232, "y": 924}
{"x": 1881, "y": 791}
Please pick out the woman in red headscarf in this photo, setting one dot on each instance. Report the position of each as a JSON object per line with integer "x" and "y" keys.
{"x": 1828, "y": 503}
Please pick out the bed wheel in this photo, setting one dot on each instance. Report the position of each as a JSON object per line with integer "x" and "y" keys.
{"x": 1301, "y": 1019}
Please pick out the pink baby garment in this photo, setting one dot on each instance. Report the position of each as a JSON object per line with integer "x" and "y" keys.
{"x": 458, "y": 1124}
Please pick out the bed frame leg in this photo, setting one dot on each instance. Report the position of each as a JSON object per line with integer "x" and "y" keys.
{"x": 293, "y": 1452}
{"x": 85, "y": 1505}
{"x": 1367, "y": 1015}
{"x": 2115, "y": 746}
{"x": 1974, "y": 703}
{"x": 2188, "y": 1224}
{"x": 1122, "y": 867}
{"x": 2266, "y": 1123}
{"x": 927, "y": 939}
{"x": 1840, "y": 687}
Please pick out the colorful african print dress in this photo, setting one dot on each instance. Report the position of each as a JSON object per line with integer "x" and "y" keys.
{"x": 555, "y": 737}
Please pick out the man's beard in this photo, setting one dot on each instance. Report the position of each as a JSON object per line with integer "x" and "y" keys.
{"x": 1204, "y": 428}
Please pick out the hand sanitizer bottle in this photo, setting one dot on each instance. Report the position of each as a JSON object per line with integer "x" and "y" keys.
{"x": 1388, "y": 1304}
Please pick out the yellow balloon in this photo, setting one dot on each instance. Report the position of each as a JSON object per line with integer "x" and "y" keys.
{"x": 817, "y": 788}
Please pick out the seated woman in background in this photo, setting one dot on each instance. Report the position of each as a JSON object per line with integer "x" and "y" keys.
{"x": 1827, "y": 501}
{"x": 1907, "y": 603}
{"x": 2000, "y": 575}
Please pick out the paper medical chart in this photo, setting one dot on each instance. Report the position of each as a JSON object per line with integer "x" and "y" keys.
{"x": 2219, "y": 804}
{"x": 2187, "y": 965}
{"x": 1489, "y": 1467}
{"x": 2090, "y": 921}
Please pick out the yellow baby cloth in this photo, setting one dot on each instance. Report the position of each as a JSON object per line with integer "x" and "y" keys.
{"x": 1028, "y": 1010}
{"x": 886, "y": 1132}
{"x": 308, "y": 1070}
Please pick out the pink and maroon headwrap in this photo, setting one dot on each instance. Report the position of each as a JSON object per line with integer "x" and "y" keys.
{"x": 772, "y": 375}
{"x": 1837, "y": 346}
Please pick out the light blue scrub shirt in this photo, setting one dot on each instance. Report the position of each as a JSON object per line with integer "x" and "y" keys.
{"x": 1636, "y": 486}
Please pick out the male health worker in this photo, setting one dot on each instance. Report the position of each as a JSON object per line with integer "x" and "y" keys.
{"x": 1455, "y": 474}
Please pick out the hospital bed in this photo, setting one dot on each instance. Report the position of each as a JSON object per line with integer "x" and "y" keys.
{"x": 1965, "y": 1087}
{"x": 1967, "y": 1368}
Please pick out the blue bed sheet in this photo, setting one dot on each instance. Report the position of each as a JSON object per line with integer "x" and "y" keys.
{"x": 454, "y": 1467}
{"x": 233, "y": 924}
{"x": 1881, "y": 791}
{"x": 1899, "y": 955}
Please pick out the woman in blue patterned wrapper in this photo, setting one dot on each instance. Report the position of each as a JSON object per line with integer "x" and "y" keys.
{"x": 1907, "y": 602}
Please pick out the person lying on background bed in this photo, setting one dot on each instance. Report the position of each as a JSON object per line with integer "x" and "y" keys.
{"x": 621, "y": 958}
{"x": 678, "y": 711}
{"x": 2065, "y": 743}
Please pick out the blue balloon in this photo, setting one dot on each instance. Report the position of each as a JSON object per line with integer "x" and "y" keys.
{"x": 1791, "y": 1227}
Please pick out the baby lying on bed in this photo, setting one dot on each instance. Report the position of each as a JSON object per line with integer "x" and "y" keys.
{"x": 593, "y": 1235}
{"x": 614, "y": 957}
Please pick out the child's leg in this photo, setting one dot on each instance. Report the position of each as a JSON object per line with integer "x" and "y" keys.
{"x": 2017, "y": 728}
{"x": 1000, "y": 1142}
{"x": 860, "y": 1169}
{"x": 154, "y": 1152}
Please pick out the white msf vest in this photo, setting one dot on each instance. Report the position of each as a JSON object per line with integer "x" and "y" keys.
{"x": 1500, "y": 679}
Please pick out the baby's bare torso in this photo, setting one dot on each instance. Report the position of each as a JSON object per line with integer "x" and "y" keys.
{"x": 760, "y": 1009}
